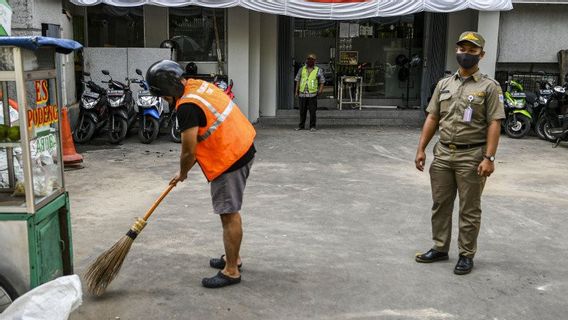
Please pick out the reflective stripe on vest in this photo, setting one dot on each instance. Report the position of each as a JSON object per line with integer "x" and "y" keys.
{"x": 310, "y": 80}
{"x": 220, "y": 116}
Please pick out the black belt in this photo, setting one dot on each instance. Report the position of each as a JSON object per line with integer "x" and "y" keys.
{"x": 453, "y": 146}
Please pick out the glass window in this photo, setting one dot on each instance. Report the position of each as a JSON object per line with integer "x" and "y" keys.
{"x": 194, "y": 30}
{"x": 110, "y": 26}
{"x": 385, "y": 51}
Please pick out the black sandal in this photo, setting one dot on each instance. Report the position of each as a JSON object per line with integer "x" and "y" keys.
{"x": 219, "y": 280}
{"x": 219, "y": 263}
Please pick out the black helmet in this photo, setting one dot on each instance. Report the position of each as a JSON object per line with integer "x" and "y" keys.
{"x": 190, "y": 69}
{"x": 164, "y": 79}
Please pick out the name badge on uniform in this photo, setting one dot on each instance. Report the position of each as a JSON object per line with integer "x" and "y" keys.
{"x": 467, "y": 114}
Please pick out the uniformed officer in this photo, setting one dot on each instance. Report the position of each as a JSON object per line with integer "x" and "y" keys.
{"x": 467, "y": 108}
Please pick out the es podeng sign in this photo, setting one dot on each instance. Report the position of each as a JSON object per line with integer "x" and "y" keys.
{"x": 43, "y": 115}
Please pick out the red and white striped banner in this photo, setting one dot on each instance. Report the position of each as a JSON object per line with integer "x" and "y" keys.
{"x": 325, "y": 9}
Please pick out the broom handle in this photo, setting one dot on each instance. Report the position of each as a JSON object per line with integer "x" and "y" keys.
{"x": 157, "y": 202}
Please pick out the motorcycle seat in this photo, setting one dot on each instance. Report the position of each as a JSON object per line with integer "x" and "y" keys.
{"x": 119, "y": 84}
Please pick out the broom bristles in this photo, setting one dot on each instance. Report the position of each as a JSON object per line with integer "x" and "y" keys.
{"x": 101, "y": 273}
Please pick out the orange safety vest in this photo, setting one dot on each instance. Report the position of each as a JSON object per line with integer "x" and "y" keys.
{"x": 228, "y": 134}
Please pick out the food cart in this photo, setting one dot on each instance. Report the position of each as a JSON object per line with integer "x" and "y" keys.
{"x": 35, "y": 228}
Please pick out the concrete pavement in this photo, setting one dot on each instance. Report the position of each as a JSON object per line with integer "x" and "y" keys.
{"x": 332, "y": 222}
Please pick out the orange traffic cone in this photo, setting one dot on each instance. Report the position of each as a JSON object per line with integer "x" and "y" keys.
{"x": 70, "y": 155}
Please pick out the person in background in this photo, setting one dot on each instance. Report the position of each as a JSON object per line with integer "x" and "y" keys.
{"x": 309, "y": 84}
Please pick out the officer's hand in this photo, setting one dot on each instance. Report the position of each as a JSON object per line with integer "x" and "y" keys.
{"x": 420, "y": 160}
{"x": 178, "y": 178}
{"x": 485, "y": 168}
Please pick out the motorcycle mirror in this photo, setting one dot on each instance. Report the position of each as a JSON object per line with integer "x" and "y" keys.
{"x": 139, "y": 72}
{"x": 87, "y": 74}
{"x": 105, "y": 72}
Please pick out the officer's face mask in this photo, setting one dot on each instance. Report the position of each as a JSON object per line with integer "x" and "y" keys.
{"x": 467, "y": 61}
{"x": 311, "y": 63}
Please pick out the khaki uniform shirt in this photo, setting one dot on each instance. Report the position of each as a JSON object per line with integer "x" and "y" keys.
{"x": 451, "y": 98}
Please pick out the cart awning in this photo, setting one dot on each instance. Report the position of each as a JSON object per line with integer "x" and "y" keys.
{"x": 325, "y": 9}
{"x": 65, "y": 46}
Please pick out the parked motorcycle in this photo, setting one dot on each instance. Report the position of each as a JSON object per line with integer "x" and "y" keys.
{"x": 93, "y": 112}
{"x": 175, "y": 133}
{"x": 121, "y": 108}
{"x": 556, "y": 115}
{"x": 150, "y": 110}
{"x": 547, "y": 100}
{"x": 519, "y": 118}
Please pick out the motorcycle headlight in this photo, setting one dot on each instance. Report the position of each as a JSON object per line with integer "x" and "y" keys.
{"x": 89, "y": 103}
{"x": 147, "y": 101}
{"x": 116, "y": 101}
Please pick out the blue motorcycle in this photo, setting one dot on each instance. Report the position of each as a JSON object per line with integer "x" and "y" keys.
{"x": 150, "y": 111}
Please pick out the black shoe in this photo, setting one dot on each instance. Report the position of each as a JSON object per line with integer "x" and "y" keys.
{"x": 219, "y": 280}
{"x": 299, "y": 128}
{"x": 431, "y": 256}
{"x": 464, "y": 265}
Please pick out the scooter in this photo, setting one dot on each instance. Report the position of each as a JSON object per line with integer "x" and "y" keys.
{"x": 93, "y": 112}
{"x": 175, "y": 133}
{"x": 150, "y": 109}
{"x": 557, "y": 127}
{"x": 519, "y": 118}
{"x": 121, "y": 108}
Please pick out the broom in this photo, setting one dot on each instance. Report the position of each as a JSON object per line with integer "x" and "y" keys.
{"x": 106, "y": 267}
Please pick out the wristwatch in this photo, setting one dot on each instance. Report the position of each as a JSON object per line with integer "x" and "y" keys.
{"x": 490, "y": 158}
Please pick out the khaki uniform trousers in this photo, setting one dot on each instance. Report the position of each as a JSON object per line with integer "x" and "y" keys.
{"x": 455, "y": 172}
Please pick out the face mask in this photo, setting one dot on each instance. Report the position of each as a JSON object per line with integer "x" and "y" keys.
{"x": 466, "y": 60}
{"x": 310, "y": 63}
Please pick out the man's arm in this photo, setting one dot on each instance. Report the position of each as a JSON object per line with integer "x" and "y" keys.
{"x": 495, "y": 112}
{"x": 297, "y": 90}
{"x": 187, "y": 157}
{"x": 428, "y": 131}
{"x": 321, "y": 79}
{"x": 487, "y": 167}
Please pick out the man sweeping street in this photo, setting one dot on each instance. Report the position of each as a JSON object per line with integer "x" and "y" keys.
{"x": 216, "y": 135}
{"x": 467, "y": 108}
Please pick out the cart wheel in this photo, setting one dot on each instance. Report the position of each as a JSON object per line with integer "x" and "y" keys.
{"x": 7, "y": 294}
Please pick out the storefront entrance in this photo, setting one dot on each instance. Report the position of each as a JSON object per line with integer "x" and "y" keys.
{"x": 387, "y": 52}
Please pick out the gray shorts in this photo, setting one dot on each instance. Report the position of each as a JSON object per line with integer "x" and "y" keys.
{"x": 228, "y": 189}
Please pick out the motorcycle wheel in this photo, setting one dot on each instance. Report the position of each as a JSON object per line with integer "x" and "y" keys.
{"x": 149, "y": 132}
{"x": 175, "y": 134}
{"x": 546, "y": 130}
{"x": 539, "y": 127}
{"x": 85, "y": 130}
{"x": 519, "y": 128}
{"x": 7, "y": 294}
{"x": 120, "y": 130}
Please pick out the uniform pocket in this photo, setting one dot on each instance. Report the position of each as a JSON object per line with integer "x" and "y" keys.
{"x": 478, "y": 106}
{"x": 444, "y": 101}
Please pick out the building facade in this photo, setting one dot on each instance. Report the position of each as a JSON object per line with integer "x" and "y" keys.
{"x": 398, "y": 57}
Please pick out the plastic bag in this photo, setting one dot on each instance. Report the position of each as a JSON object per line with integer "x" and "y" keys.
{"x": 54, "y": 300}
